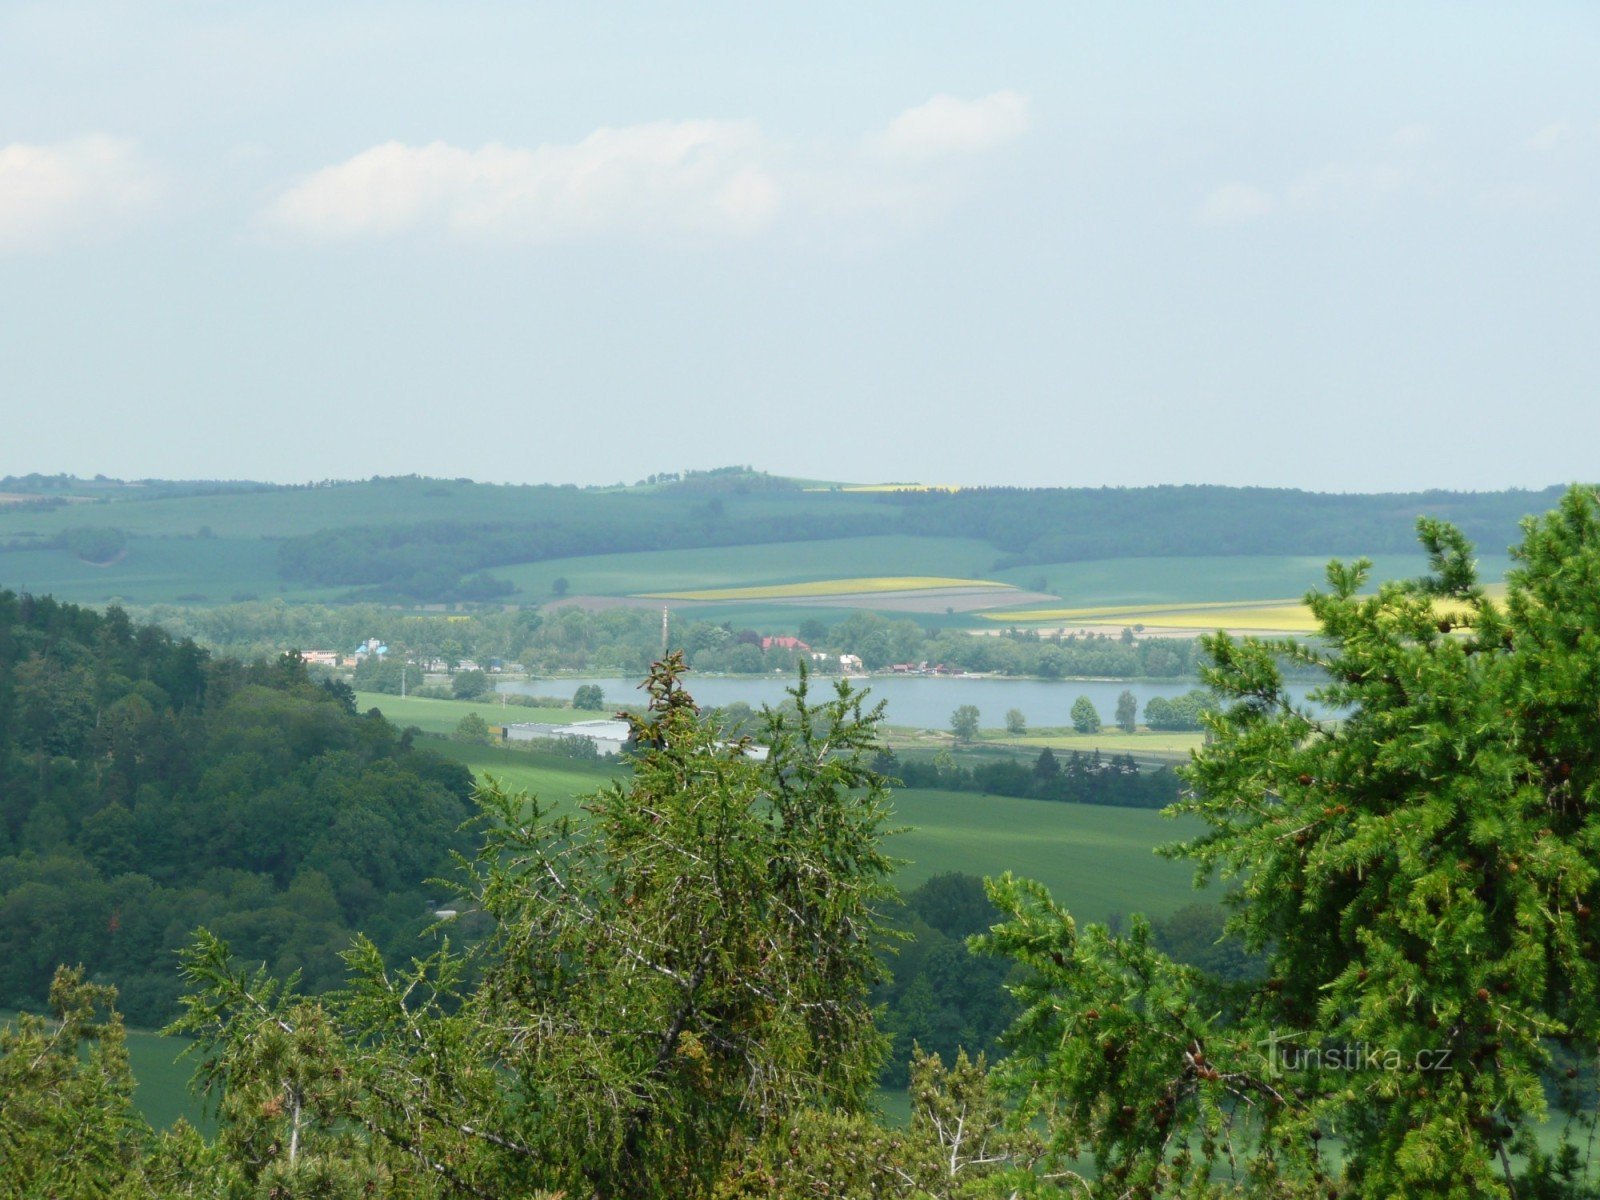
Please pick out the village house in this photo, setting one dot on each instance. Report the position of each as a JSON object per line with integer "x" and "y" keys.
{"x": 783, "y": 643}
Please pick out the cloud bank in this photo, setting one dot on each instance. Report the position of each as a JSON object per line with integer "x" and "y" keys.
{"x": 671, "y": 178}
{"x": 666, "y": 176}
{"x": 82, "y": 187}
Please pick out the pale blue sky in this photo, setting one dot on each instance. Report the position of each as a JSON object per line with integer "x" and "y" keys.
{"x": 1047, "y": 244}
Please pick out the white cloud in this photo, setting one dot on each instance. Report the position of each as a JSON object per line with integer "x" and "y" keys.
{"x": 1233, "y": 203}
{"x": 668, "y": 176}
{"x": 948, "y": 125}
{"x": 83, "y": 186}
{"x": 1551, "y": 136}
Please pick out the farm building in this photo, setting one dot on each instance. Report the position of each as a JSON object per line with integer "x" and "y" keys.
{"x": 783, "y": 643}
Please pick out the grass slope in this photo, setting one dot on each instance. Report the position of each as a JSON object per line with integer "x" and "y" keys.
{"x": 558, "y": 782}
{"x": 159, "y": 571}
{"x": 1095, "y": 860}
{"x": 442, "y": 716}
{"x": 750, "y": 566}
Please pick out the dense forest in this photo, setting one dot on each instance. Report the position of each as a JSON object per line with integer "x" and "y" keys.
{"x": 147, "y": 787}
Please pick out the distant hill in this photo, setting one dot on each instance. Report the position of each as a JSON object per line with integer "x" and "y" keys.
{"x": 416, "y": 540}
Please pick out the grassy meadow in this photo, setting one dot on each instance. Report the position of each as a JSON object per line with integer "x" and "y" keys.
{"x": 442, "y": 716}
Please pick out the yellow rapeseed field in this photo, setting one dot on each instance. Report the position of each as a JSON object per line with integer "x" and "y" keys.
{"x": 1271, "y": 616}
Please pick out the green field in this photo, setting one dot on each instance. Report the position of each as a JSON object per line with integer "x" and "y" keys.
{"x": 555, "y": 781}
{"x": 751, "y": 566}
{"x": 1095, "y": 860}
{"x": 1206, "y": 579}
{"x": 159, "y": 571}
{"x": 442, "y": 716}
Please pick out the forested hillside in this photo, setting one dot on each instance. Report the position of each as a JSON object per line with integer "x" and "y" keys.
{"x": 147, "y": 788}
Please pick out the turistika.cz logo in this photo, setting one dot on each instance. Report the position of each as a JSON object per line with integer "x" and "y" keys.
{"x": 1283, "y": 1055}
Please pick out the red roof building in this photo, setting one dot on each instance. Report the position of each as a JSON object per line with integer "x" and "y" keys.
{"x": 783, "y": 643}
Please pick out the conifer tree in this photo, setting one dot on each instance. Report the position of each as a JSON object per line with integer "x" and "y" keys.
{"x": 1420, "y": 871}
{"x": 664, "y": 980}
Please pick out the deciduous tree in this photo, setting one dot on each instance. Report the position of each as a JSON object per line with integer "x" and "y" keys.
{"x": 1085, "y": 717}
{"x": 964, "y": 723}
{"x": 1127, "y": 712}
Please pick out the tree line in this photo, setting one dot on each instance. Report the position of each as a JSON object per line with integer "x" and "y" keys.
{"x": 626, "y": 641}
{"x": 1071, "y": 777}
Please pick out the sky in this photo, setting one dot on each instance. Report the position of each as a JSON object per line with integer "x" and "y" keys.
{"x": 1344, "y": 247}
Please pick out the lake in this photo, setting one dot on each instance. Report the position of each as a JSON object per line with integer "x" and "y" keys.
{"x": 923, "y": 701}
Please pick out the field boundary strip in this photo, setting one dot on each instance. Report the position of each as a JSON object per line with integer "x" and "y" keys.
{"x": 866, "y": 586}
